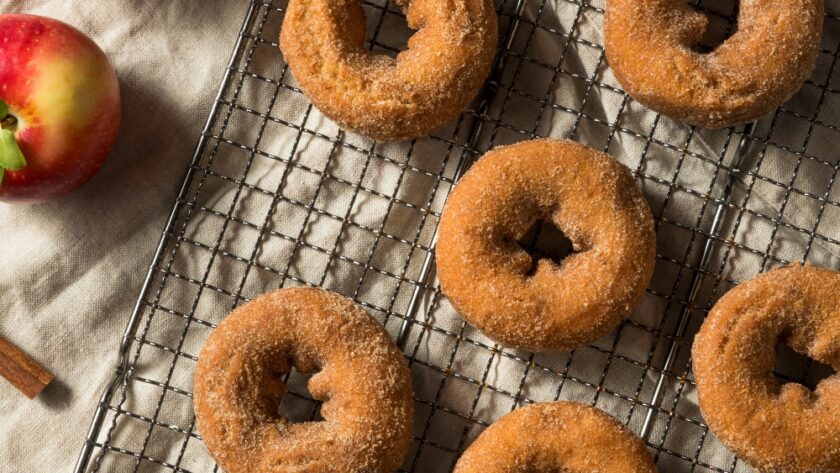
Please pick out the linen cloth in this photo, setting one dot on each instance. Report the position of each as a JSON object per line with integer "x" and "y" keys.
{"x": 72, "y": 269}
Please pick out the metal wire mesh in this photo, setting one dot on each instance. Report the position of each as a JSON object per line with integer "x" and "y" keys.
{"x": 360, "y": 219}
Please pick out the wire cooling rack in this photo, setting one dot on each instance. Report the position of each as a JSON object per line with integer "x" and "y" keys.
{"x": 278, "y": 196}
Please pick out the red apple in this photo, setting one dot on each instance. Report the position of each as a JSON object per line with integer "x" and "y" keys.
{"x": 60, "y": 107}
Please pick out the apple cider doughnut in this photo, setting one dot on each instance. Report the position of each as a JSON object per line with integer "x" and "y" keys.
{"x": 649, "y": 45}
{"x": 556, "y": 437}
{"x": 362, "y": 378}
{"x": 772, "y": 426}
{"x": 545, "y": 306}
{"x": 424, "y": 87}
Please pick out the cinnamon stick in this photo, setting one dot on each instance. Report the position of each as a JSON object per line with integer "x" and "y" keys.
{"x": 22, "y": 371}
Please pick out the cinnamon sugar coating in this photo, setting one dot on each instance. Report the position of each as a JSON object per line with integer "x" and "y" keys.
{"x": 649, "y": 48}
{"x": 424, "y": 87}
{"x": 772, "y": 426}
{"x": 363, "y": 381}
{"x": 588, "y": 196}
{"x": 556, "y": 437}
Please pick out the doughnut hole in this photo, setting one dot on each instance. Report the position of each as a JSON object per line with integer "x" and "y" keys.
{"x": 388, "y": 31}
{"x": 793, "y": 367}
{"x": 298, "y": 401}
{"x": 544, "y": 241}
{"x": 720, "y": 25}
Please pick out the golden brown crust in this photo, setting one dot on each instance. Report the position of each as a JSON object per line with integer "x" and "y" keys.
{"x": 555, "y": 437}
{"x": 424, "y": 87}
{"x": 775, "y": 428}
{"x": 648, "y": 45}
{"x": 592, "y": 199}
{"x": 363, "y": 380}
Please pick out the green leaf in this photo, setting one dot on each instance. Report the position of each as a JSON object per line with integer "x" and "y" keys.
{"x": 11, "y": 157}
{"x": 4, "y": 109}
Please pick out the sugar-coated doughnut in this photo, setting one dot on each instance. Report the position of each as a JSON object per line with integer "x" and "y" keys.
{"x": 556, "y": 437}
{"x": 447, "y": 60}
{"x": 362, "y": 378}
{"x": 649, "y": 46}
{"x": 772, "y": 426}
{"x": 544, "y": 306}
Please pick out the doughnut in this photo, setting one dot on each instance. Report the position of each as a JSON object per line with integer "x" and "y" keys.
{"x": 772, "y": 426}
{"x": 556, "y": 436}
{"x": 650, "y": 46}
{"x": 542, "y": 305}
{"x": 363, "y": 381}
{"x": 424, "y": 87}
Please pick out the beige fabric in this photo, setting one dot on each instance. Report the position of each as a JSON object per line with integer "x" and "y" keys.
{"x": 72, "y": 269}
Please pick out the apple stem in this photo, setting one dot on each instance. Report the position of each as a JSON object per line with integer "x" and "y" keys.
{"x": 11, "y": 157}
{"x": 9, "y": 122}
